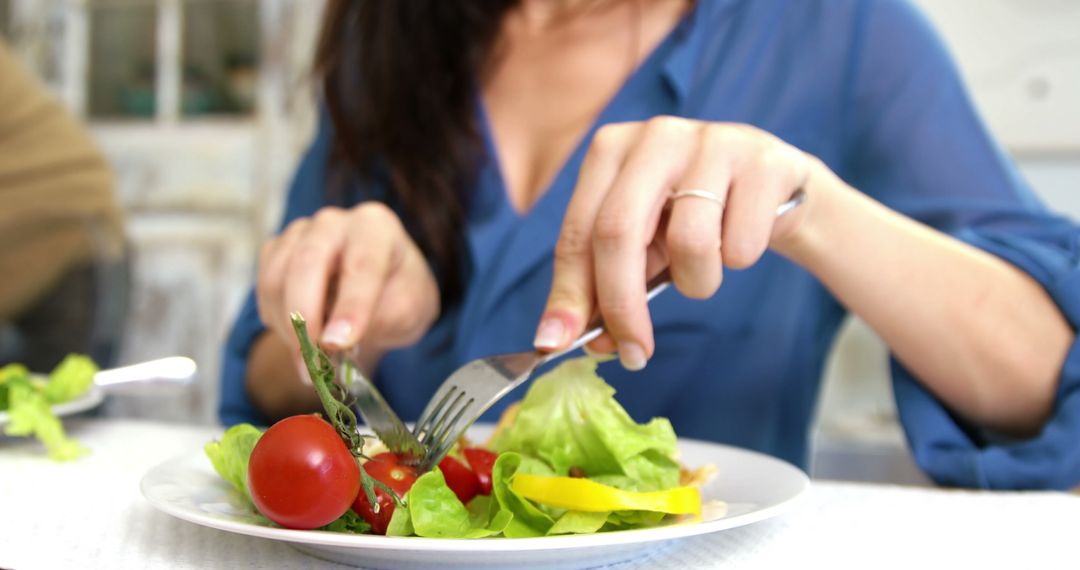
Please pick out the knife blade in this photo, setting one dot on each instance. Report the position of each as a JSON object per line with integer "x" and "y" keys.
{"x": 377, "y": 414}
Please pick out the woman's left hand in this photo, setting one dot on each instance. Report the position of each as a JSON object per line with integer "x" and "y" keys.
{"x": 622, "y": 225}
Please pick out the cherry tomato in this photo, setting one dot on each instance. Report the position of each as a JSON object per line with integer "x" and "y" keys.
{"x": 301, "y": 474}
{"x": 461, "y": 480}
{"x": 481, "y": 461}
{"x": 386, "y": 469}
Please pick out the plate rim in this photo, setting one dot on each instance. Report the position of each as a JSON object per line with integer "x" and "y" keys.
{"x": 360, "y": 542}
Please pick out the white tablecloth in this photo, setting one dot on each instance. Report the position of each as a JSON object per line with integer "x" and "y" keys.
{"x": 89, "y": 514}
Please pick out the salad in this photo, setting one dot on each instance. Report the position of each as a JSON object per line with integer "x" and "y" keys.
{"x": 568, "y": 459}
{"x": 28, "y": 399}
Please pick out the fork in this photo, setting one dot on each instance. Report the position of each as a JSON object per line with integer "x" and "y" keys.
{"x": 476, "y": 386}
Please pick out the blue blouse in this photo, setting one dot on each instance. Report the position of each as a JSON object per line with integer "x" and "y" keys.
{"x": 865, "y": 85}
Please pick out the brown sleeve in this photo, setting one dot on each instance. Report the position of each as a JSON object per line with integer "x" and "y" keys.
{"x": 57, "y": 208}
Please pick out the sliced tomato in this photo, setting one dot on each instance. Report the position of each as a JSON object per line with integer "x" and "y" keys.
{"x": 481, "y": 461}
{"x": 387, "y": 469}
{"x": 461, "y": 480}
{"x": 301, "y": 474}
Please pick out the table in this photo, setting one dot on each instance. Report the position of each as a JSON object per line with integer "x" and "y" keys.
{"x": 89, "y": 514}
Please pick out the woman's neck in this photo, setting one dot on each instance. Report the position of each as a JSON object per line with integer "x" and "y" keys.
{"x": 542, "y": 15}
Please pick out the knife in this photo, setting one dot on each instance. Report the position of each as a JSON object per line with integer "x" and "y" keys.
{"x": 369, "y": 404}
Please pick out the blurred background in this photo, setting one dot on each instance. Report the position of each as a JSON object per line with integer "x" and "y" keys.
{"x": 203, "y": 108}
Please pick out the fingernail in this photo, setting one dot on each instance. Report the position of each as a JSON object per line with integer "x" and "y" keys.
{"x": 337, "y": 334}
{"x": 550, "y": 333}
{"x": 632, "y": 356}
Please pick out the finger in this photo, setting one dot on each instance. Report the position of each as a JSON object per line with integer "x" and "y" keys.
{"x": 626, "y": 224}
{"x": 694, "y": 225}
{"x": 270, "y": 282}
{"x": 372, "y": 253}
{"x": 756, "y": 191}
{"x": 408, "y": 305}
{"x": 601, "y": 345}
{"x": 312, "y": 264}
{"x": 571, "y": 302}
{"x": 656, "y": 262}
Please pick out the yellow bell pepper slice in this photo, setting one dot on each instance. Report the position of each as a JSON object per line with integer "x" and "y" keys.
{"x": 579, "y": 494}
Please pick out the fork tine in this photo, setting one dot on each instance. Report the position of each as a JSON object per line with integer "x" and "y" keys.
{"x": 442, "y": 440}
{"x": 423, "y": 425}
{"x": 444, "y": 448}
{"x": 440, "y": 425}
{"x": 441, "y": 436}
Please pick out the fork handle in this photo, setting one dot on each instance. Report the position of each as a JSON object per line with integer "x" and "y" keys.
{"x": 654, "y": 287}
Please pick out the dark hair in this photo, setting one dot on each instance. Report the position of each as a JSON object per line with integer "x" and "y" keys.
{"x": 399, "y": 79}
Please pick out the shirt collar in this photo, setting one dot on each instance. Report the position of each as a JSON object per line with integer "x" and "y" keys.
{"x": 689, "y": 38}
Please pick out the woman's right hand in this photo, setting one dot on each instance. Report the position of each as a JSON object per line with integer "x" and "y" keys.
{"x": 355, "y": 275}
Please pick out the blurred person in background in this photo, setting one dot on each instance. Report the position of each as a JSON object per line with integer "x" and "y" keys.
{"x": 483, "y": 167}
{"x": 62, "y": 272}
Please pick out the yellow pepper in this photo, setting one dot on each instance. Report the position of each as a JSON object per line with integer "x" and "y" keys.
{"x": 578, "y": 494}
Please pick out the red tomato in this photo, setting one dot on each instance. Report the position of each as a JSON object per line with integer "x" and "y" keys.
{"x": 461, "y": 480}
{"x": 301, "y": 474}
{"x": 386, "y": 469}
{"x": 481, "y": 461}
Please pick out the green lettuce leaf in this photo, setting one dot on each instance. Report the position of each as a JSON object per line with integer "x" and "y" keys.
{"x": 633, "y": 519}
{"x": 9, "y": 375}
{"x": 349, "y": 522}
{"x": 230, "y": 456}
{"x": 527, "y": 519}
{"x": 569, "y": 418}
{"x": 70, "y": 379}
{"x": 29, "y": 414}
{"x": 28, "y": 401}
{"x": 434, "y": 511}
{"x": 578, "y": 522}
{"x": 400, "y": 524}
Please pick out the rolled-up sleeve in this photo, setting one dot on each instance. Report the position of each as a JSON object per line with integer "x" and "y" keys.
{"x": 918, "y": 146}
{"x": 306, "y": 195}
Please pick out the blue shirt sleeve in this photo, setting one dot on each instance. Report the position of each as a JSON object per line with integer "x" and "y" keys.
{"x": 306, "y": 196}
{"x": 918, "y": 146}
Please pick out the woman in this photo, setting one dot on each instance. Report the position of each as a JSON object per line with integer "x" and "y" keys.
{"x": 480, "y": 160}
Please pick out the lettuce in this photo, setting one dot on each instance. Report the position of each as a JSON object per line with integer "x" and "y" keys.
{"x": 9, "y": 376}
{"x": 230, "y": 456}
{"x": 28, "y": 405}
{"x": 569, "y": 418}
{"x": 30, "y": 414}
{"x": 527, "y": 520}
{"x": 432, "y": 510}
{"x": 578, "y": 522}
{"x": 70, "y": 379}
{"x": 400, "y": 524}
{"x": 349, "y": 522}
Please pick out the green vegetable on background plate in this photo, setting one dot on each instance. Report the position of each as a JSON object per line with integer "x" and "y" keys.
{"x": 28, "y": 402}
{"x": 568, "y": 425}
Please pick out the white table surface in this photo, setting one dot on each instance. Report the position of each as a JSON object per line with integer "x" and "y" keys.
{"x": 89, "y": 514}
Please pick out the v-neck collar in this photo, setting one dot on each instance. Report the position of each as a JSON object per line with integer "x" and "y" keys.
{"x": 504, "y": 245}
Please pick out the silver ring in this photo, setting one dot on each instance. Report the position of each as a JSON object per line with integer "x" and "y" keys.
{"x": 698, "y": 194}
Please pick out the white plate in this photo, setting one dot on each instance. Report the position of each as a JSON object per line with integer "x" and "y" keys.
{"x": 753, "y": 486}
{"x": 90, "y": 399}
